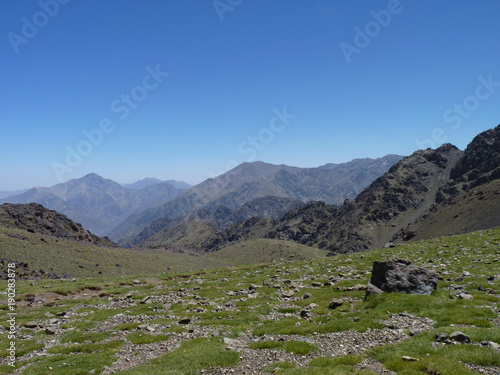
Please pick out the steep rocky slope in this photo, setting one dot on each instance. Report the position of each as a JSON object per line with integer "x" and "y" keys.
{"x": 34, "y": 218}
{"x": 220, "y": 218}
{"x": 390, "y": 203}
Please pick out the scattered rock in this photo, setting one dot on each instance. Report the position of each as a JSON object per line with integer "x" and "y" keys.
{"x": 400, "y": 276}
{"x": 442, "y": 337}
{"x": 146, "y": 299}
{"x": 50, "y": 331}
{"x": 232, "y": 344}
{"x": 305, "y": 314}
{"x": 355, "y": 288}
{"x": 288, "y": 294}
{"x": 372, "y": 289}
{"x": 307, "y": 295}
{"x": 334, "y": 303}
{"x": 185, "y": 321}
{"x": 31, "y": 325}
{"x": 490, "y": 344}
{"x": 465, "y": 296}
{"x": 459, "y": 336}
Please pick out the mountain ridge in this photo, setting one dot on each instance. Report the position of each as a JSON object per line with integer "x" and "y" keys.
{"x": 253, "y": 180}
{"x": 421, "y": 191}
{"x": 98, "y": 203}
{"x": 145, "y": 182}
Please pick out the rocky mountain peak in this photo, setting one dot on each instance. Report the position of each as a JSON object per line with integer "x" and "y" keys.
{"x": 35, "y": 218}
{"x": 481, "y": 159}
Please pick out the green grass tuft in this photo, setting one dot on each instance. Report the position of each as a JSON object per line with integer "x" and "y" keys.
{"x": 191, "y": 357}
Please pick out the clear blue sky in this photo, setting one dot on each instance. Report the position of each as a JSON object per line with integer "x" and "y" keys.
{"x": 229, "y": 70}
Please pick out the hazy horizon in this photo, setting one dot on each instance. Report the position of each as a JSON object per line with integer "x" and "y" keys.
{"x": 154, "y": 177}
{"x": 186, "y": 91}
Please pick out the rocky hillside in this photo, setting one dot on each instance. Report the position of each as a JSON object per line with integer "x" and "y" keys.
{"x": 190, "y": 236}
{"x": 331, "y": 184}
{"x": 158, "y": 234}
{"x": 34, "y": 218}
{"x": 98, "y": 203}
{"x": 430, "y": 193}
{"x": 470, "y": 200}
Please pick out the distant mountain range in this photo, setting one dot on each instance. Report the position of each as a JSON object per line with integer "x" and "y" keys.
{"x": 332, "y": 183}
{"x": 138, "y": 185}
{"x": 427, "y": 194}
{"x": 430, "y": 193}
{"x": 5, "y": 194}
{"x": 97, "y": 203}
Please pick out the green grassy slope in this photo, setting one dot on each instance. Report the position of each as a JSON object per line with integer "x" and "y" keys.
{"x": 266, "y": 251}
{"x": 240, "y": 314}
{"x": 75, "y": 259}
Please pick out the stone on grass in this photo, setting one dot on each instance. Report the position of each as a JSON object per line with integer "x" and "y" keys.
{"x": 287, "y": 294}
{"x": 372, "y": 289}
{"x": 355, "y": 288}
{"x": 305, "y": 314}
{"x": 307, "y": 295}
{"x": 334, "y": 303}
{"x": 401, "y": 276}
{"x": 442, "y": 337}
{"x": 490, "y": 344}
{"x": 459, "y": 336}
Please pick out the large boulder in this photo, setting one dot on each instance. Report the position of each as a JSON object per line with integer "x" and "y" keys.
{"x": 401, "y": 276}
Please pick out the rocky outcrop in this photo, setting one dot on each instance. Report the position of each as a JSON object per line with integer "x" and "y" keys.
{"x": 428, "y": 194}
{"x": 402, "y": 276}
{"x": 35, "y": 218}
